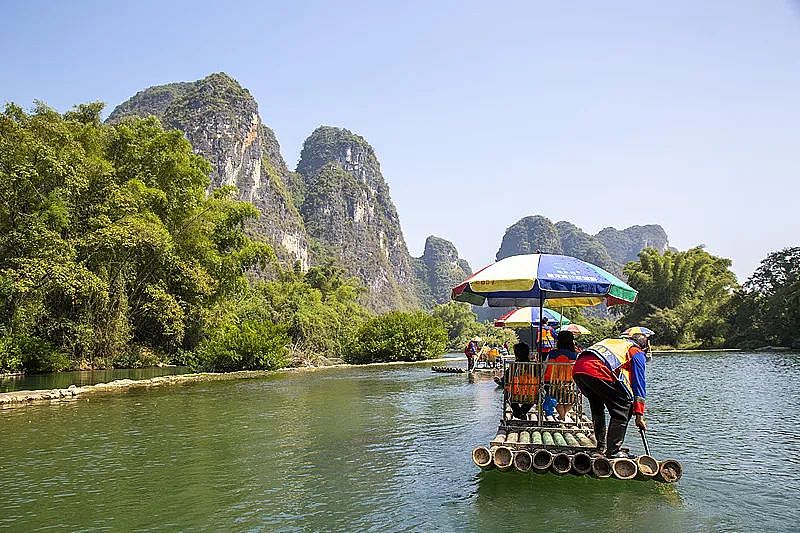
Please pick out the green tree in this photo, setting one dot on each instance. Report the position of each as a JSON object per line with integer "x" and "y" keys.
{"x": 108, "y": 240}
{"x": 681, "y": 296}
{"x": 460, "y": 322}
{"x": 399, "y": 336}
{"x": 767, "y": 308}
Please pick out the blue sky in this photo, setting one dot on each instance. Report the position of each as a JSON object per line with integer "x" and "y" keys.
{"x": 685, "y": 114}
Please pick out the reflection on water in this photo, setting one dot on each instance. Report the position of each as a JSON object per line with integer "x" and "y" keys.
{"x": 389, "y": 449}
{"x": 62, "y": 380}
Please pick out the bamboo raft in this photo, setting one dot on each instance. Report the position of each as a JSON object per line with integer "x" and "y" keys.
{"x": 448, "y": 369}
{"x": 541, "y": 443}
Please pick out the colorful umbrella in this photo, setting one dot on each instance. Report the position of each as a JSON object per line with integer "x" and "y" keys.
{"x": 538, "y": 279}
{"x": 527, "y": 316}
{"x": 577, "y": 329}
{"x": 638, "y": 329}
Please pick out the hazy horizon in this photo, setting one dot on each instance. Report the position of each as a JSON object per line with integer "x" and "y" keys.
{"x": 681, "y": 115}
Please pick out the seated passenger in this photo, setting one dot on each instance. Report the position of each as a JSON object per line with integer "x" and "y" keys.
{"x": 522, "y": 354}
{"x": 558, "y": 377}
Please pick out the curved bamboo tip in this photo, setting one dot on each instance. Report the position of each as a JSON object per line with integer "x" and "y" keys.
{"x": 670, "y": 471}
{"x": 648, "y": 466}
{"x": 601, "y": 467}
{"x": 482, "y": 457}
{"x": 623, "y": 468}
{"x": 523, "y": 461}
{"x": 542, "y": 459}
{"x": 562, "y": 463}
{"x": 503, "y": 457}
{"x": 581, "y": 463}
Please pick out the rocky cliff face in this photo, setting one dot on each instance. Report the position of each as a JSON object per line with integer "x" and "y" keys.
{"x": 345, "y": 202}
{"x": 438, "y": 271}
{"x": 625, "y": 245}
{"x": 221, "y": 121}
{"x": 530, "y": 235}
{"x": 610, "y": 249}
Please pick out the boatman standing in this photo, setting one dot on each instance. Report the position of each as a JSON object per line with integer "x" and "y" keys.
{"x": 610, "y": 374}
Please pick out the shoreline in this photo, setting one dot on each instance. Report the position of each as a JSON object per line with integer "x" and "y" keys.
{"x": 23, "y": 398}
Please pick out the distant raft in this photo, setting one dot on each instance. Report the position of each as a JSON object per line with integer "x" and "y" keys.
{"x": 448, "y": 369}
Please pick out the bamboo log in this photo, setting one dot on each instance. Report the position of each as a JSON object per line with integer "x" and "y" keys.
{"x": 512, "y": 437}
{"x": 482, "y": 457}
{"x": 571, "y": 440}
{"x": 670, "y": 471}
{"x": 581, "y": 463}
{"x": 648, "y": 467}
{"x": 542, "y": 459}
{"x": 524, "y": 437}
{"x": 583, "y": 440}
{"x": 536, "y": 437}
{"x": 623, "y": 468}
{"x": 601, "y": 467}
{"x": 501, "y": 435}
{"x": 523, "y": 460}
{"x": 547, "y": 438}
{"x": 562, "y": 463}
{"x": 558, "y": 438}
{"x": 503, "y": 458}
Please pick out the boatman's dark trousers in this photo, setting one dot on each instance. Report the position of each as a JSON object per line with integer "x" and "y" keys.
{"x": 609, "y": 395}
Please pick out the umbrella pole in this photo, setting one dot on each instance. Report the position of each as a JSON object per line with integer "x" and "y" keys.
{"x": 539, "y": 412}
{"x": 541, "y": 333}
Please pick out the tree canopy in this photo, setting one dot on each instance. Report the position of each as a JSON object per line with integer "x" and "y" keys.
{"x": 108, "y": 239}
{"x": 681, "y": 296}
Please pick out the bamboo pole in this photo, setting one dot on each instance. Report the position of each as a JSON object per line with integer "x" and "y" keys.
{"x": 512, "y": 437}
{"x": 523, "y": 460}
{"x": 670, "y": 471}
{"x": 558, "y": 438}
{"x": 547, "y": 438}
{"x": 601, "y": 467}
{"x": 581, "y": 463}
{"x": 536, "y": 437}
{"x": 524, "y": 437}
{"x": 482, "y": 457}
{"x": 562, "y": 463}
{"x": 571, "y": 440}
{"x": 648, "y": 467}
{"x": 584, "y": 441}
{"x": 542, "y": 459}
{"x": 503, "y": 458}
{"x": 623, "y": 468}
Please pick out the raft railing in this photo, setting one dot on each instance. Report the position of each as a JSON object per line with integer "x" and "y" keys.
{"x": 531, "y": 384}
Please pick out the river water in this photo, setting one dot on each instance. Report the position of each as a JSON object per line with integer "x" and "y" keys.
{"x": 388, "y": 449}
{"x": 79, "y": 378}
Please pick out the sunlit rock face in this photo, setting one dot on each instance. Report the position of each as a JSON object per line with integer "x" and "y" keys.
{"x": 438, "y": 270}
{"x": 347, "y": 208}
{"x": 222, "y": 122}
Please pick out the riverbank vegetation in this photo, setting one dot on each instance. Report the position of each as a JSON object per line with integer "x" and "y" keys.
{"x": 691, "y": 299}
{"x": 113, "y": 254}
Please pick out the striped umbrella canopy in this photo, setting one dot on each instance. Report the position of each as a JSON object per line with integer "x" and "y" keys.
{"x": 577, "y": 329}
{"x": 527, "y": 316}
{"x": 539, "y": 279}
{"x": 638, "y": 329}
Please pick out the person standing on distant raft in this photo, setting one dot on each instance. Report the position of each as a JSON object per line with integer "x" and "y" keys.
{"x": 471, "y": 351}
{"x": 610, "y": 374}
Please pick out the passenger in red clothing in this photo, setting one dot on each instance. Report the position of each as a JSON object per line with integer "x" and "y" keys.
{"x": 611, "y": 374}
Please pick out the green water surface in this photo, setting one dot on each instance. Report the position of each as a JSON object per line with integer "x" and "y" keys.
{"x": 388, "y": 449}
